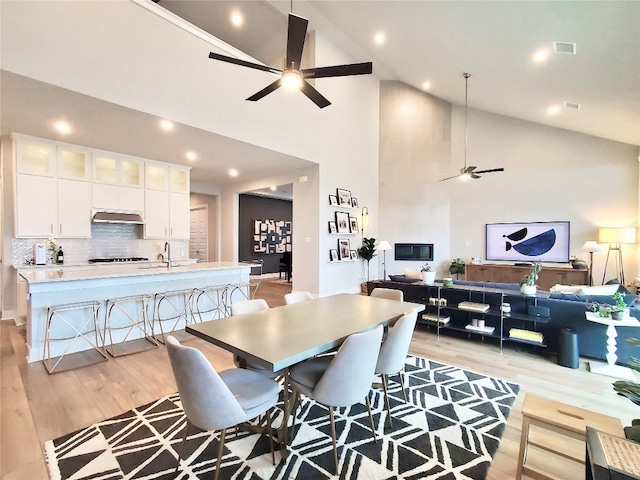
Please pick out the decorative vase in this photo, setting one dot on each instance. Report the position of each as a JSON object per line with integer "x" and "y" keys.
{"x": 429, "y": 277}
{"x": 528, "y": 289}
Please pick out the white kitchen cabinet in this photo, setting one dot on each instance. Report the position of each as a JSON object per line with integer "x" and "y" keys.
{"x": 179, "y": 179}
{"x": 35, "y": 156}
{"x": 74, "y": 163}
{"x": 118, "y": 197}
{"x": 179, "y": 215}
{"x": 156, "y": 175}
{"x": 36, "y": 206}
{"x": 115, "y": 169}
{"x": 156, "y": 217}
{"x": 74, "y": 209}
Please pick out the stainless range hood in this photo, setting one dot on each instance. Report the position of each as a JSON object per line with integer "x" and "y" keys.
{"x": 112, "y": 216}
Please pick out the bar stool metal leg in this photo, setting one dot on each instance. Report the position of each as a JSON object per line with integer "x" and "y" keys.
{"x": 126, "y": 319}
{"x": 172, "y": 309}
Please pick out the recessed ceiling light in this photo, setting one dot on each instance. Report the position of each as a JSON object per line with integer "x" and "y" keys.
{"x": 379, "y": 38}
{"x": 62, "y": 127}
{"x": 191, "y": 156}
{"x": 273, "y": 188}
{"x": 553, "y": 110}
{"x": 236, "y": 18}
{"x": 426, "y": 85}
{"x": 233, "y": 172}
{"x": 540, "y": 56}
{"x": 166, "y": 125}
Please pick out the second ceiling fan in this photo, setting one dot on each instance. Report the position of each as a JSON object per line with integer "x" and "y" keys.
{"x": 469, "y": 171}
{"x": 293, "y": 75}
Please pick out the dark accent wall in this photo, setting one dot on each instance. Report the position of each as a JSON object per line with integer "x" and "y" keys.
{"x": 254, "y": 207}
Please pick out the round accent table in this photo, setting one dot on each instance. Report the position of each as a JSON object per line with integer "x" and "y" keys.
{"x": 610, "y": 368}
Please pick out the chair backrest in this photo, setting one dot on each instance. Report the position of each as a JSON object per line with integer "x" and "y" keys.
{"x": 206, "y": 399}
{"x": 395, "y": 347}
{"x": 297, "y": 297}
{"x": 249, "y": 306}
{"x": 388, "y": 293}
{"x": 347, "y": 380}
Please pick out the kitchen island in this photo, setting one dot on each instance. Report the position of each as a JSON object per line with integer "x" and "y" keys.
{"x": 72, "y": 286}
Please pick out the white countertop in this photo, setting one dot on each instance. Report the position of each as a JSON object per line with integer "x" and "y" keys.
{"x": 35, "y": 275}
{"x": 87, "y": 264}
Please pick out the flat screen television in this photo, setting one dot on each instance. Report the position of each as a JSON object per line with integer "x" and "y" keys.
{"x": 422, "y": 252}
{"x": 528, "y": 242}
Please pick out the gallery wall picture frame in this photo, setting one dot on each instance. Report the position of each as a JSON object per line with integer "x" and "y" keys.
{"x": 333, "y": 200}
{"x": 354, "y": 202}
{"x": 353, "y": 224}
{"x": 344, "y": 197}
{"x": 344, "y": 249}
{"x": 332, "y": 227}
{"x": 342, "y": 222}
{"x": 333, "y": 255}
{"x": 353, "y": 254}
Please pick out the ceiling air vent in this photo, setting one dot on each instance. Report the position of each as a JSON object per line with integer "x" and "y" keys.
{"x": 564, "y": 47}
{"x": 575, "y": 106}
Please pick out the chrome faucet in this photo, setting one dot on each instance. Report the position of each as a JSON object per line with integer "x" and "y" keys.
{"x": 167, "y": 251}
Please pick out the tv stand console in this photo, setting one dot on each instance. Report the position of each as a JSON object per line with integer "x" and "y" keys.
{"x": 547, "y": 278}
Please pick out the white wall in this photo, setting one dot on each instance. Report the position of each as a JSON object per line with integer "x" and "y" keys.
{"x": 550, "y": 174}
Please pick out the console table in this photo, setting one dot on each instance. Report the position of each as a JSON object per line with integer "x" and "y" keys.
{"x": 547, "y": 278}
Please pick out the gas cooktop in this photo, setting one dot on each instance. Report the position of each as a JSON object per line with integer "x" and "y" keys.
{"x": 118, "y": 259}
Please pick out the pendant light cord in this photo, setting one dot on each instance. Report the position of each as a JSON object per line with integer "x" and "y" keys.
{"x": 466, "y": 108}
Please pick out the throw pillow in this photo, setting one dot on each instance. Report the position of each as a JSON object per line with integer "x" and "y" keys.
{"x": 558, "y": 288}
{"x": 409, "y": 273}
{"x": 402, "y": 279}
{"x": 599, "y": 290}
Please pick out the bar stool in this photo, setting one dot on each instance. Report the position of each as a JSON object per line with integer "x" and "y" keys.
{"x": 170, "y": 308}
{"x": 237, "y": 292}
{"x": 73, "y": 323}
{"x": 207, "y": 303}
{"x": 127, "y": 317}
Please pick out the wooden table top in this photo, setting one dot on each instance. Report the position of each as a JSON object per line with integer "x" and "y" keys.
{"x": 283, "y": 336}
{"x": 568, "y": 417}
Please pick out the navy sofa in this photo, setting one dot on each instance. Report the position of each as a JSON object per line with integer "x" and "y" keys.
{"x": 567, "y": 311}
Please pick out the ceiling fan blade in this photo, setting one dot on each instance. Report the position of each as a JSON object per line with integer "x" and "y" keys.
{"x": 474, "y": 175}
{"x": 339, "y": 70}
{"x": 265, "y": 91}
{"x": 470, "y": 169}
{"x": 449, "y": 178}
{"x": 295, "y": 41}
{"x": 243, "y": 63}
{"x": 315, "y": 96}
{"x": 491, "y": 170}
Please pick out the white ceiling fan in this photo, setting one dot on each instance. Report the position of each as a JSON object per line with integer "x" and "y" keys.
{"x": 469, "y": 171}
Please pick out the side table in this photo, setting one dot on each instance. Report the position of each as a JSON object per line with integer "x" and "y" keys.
{"x": 610, "y": 368}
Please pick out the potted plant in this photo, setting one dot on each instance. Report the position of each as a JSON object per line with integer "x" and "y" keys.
{"x": 631, "y": 390}
{"x": 367, "y": 251}
{"x": 457, "y": 267}
{"x": 428, "y": 276}
{"x": 528, "y": 284}
{"x": 619, "y": 310}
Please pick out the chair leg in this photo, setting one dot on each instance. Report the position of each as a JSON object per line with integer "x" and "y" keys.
{"x": 385, "y": 380}
{"x": 184, "y": 439}
{"x": 333, "y": 438}
{"x": 296, "y": 403}
{"x": 373, "y": 430}
{"x": 220, "y": 448}
{"x": 273, "y": 455}
{"x": 404, "y": 392}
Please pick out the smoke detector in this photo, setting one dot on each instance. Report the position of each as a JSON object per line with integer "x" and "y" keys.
{"x": 575, "y": 106}
{"x": 564, "y": 47}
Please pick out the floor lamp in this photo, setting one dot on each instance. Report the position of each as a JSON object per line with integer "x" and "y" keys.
{"x": 591, "y": 246}
{"x": 615, "y": 237}
{"x": 383, "y": 246}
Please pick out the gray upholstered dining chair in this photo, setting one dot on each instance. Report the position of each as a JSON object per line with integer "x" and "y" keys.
{"x": 218, "y": 401}
{"x": 340, "y": 380}
{"x": 252, "y": 306}
{"x": 388, "y": 293}
{"x": 297, "y": 297}
{"x": 393, "y": 353}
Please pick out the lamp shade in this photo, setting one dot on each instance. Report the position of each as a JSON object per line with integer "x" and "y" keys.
{"x": 591, "y": 246}
{"x": 384, "y": 245}
{"x": 617, "y": 235}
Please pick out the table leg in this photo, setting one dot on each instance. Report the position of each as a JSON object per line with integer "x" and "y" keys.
{"x": 610, "y": 368}
{"x": 284, "y": 428}
{"x": 611, "y": 345}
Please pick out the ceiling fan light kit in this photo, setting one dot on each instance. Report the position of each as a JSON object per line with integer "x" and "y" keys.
{"x": 470, "y": 171}
{"x": 293, "y": 76}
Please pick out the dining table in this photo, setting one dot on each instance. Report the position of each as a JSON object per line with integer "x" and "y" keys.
{"x": 281, "y": 337}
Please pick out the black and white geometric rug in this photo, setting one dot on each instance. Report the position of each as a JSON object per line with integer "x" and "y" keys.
{"x": 450, "y": 429}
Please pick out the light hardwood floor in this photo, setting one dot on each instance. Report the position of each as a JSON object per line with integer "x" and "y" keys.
{"x": 35, "y": 406}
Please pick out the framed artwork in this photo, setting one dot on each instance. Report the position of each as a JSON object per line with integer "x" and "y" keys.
{"x": 354, "y": 202}
{"x": 342, "y": 222}
{"x": 333, "y": 200}
{"x": 344, "y": 249}
{"x": 333, "y": 255}
{"x": 344, "y": 197}
{"x": 354, "y": 255}
{"x": 353, "y": 224}
{"x": 271, "y": 236}
{"x": 332, "y": 227}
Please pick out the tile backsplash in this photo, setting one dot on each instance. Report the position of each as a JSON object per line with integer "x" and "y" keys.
{"x": 107, "y": 240}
